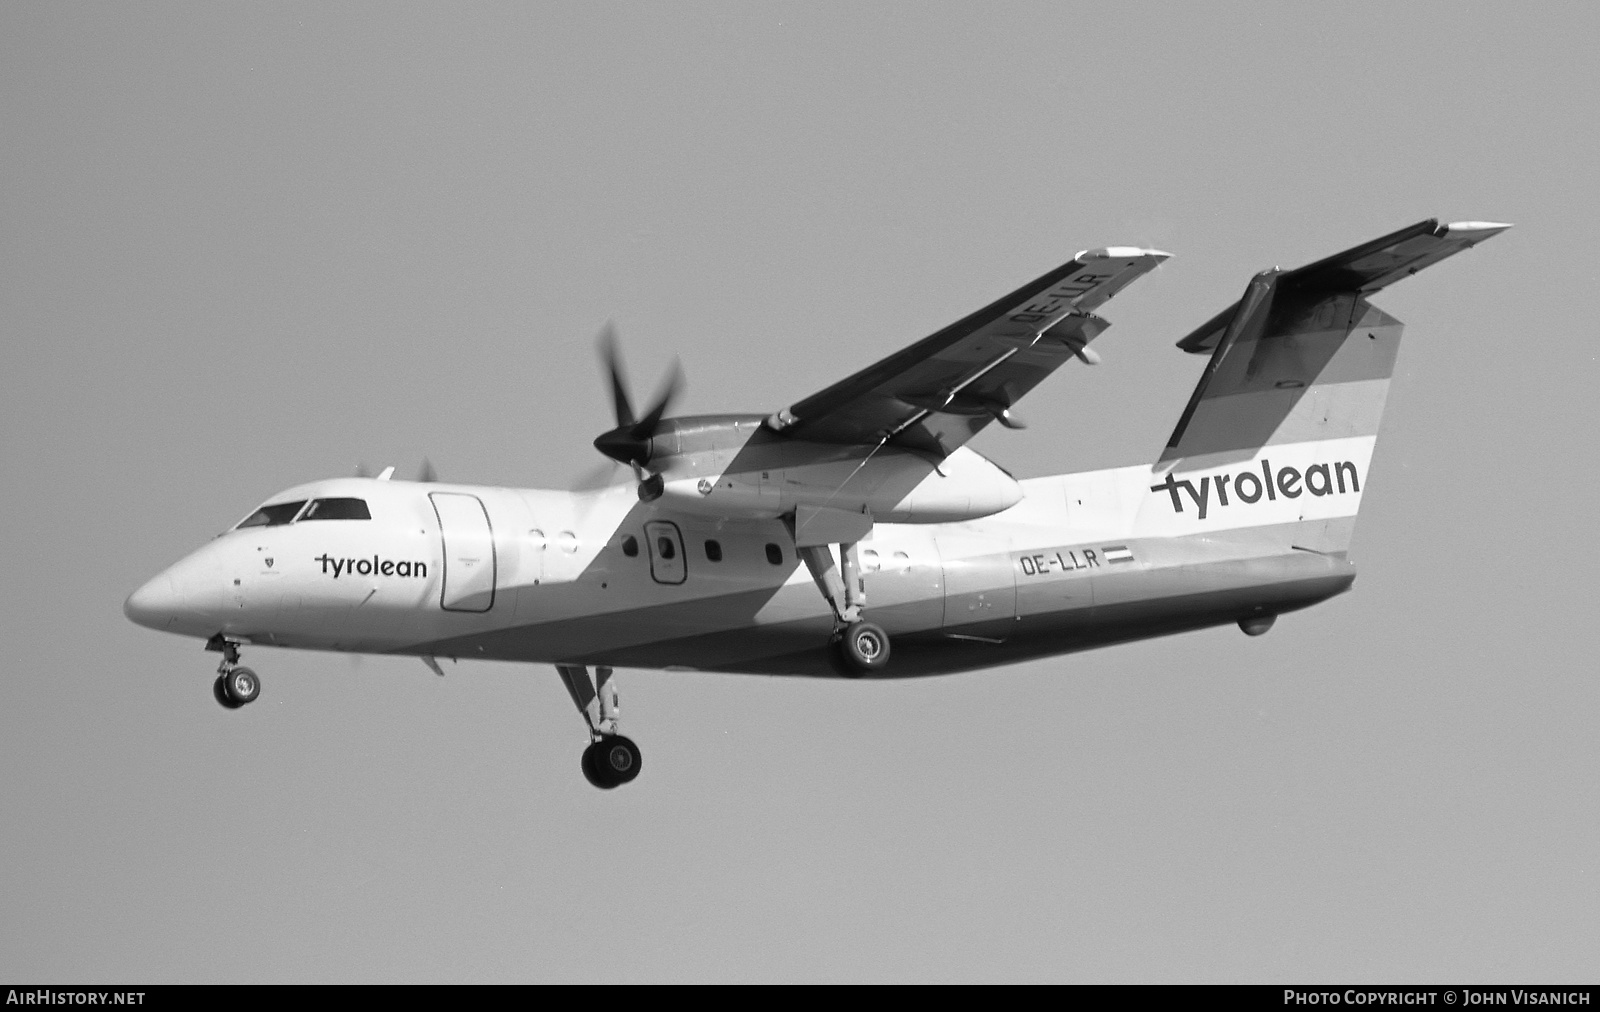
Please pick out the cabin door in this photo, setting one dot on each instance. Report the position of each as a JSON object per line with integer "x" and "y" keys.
{"x": 469, "y": 563}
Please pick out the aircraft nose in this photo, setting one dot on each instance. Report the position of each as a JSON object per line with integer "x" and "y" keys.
{"x": 155, "y": 605}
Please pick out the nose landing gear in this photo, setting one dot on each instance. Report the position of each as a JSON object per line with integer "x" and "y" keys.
{"x": 611, "y": 759}
{"x": 235, "y": 685}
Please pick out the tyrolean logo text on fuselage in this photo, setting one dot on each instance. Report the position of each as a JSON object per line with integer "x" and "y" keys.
{"x": 1249, "y": 487}
{"x": 370, "y": 567}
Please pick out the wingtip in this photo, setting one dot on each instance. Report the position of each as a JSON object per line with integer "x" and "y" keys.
{"x": 1476, "y": 230}
{"x": 1122, "y": 253}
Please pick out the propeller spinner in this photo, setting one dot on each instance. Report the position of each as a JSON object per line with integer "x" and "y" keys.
{"x": 630, "y": 442}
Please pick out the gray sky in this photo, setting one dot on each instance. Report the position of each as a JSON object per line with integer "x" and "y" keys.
{"x": 247, "y": 246}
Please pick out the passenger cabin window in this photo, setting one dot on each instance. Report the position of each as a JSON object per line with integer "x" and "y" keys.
{"x": 337, "y": 509}
{"x": 630, "y": 545}
{"x": 664, "y": 547}
{"x": 273, "y": 515}
{"x": 774, "y": 554}
{"x": 714, "y": 551}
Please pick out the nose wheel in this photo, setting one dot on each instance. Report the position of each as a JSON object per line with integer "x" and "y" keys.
{"x": 611, "y": 759}
{"x": 235, "y": 685}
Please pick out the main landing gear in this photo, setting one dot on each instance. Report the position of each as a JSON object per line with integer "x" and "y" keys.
{"x": 858, "y": 647}
{"x": 235, "y": 685}
{"x": 611, "y": 760}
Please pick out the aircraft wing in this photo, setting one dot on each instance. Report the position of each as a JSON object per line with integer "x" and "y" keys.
{"x": 936, "y": 394}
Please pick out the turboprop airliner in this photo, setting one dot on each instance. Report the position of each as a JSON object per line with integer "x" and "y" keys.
{"x": 853, "y": 533}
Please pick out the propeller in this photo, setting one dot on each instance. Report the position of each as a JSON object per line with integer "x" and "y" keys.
{"x": 602, "y": 475}
{"x": 629, "y": 442}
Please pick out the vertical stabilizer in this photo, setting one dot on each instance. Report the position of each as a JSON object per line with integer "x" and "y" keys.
{"x": 1280, "y": 429}
{"x": 1289, "y": 369}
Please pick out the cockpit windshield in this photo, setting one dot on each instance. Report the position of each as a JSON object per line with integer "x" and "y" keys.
{"x": 280, "y": 513}
{"x": 337, "y": 509}
{"x": 273, "y": 514}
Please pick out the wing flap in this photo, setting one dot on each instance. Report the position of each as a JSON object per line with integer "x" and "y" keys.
{"x": 936, "y": 394}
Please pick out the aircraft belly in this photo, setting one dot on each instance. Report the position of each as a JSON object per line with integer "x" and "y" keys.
{"x": 1154, "y": 586}
{"x": 756, "y": 615}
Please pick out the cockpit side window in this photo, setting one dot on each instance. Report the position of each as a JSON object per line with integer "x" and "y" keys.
{"x": 273, "y": 514}
{"x": 337, "y": 509}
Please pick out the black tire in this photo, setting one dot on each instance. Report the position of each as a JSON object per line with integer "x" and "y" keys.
{"x": 619, "y": 758}
{"x": 221, "y": 695}
{"x": 241, "y": 686}
{"x": 864, "y": 648}
{"x": 611, "y": 762}
{"x": 591, "y": 773}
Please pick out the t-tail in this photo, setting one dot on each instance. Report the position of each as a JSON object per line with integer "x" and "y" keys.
{"x": 1277, "y": 438}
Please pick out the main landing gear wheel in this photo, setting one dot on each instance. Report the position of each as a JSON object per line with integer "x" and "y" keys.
{"x": 862, "y": 649}
{"x": 611, "y": 761}
{"x": 240, "y": 686}
{"x": 857, "y": 647}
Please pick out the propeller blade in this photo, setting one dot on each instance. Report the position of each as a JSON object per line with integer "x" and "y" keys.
{"x": 597, "y": 477}
{"x": 612, "y": 358}
{"x": 426, "y": 472}
{"x": 670, "y": 388}
{"x": 630, "y": 442}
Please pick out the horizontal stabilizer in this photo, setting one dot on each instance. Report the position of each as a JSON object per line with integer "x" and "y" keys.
{"x": 1362, "y": 269}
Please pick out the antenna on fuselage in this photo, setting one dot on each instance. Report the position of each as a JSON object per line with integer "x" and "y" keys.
{"x": 425, "y": 473}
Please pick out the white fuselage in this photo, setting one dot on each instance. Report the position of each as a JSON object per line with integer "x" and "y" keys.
{"x": 554, "y": 576}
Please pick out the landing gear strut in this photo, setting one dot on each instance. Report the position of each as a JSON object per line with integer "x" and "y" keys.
{"x": 858, "y": 647}
{"x": 611, "y": 759}
{"x": 235, "y": 685}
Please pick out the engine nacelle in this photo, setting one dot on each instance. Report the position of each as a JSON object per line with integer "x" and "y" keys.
{"x": 893, "y": 486}
{"x": 965, "y": 486}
